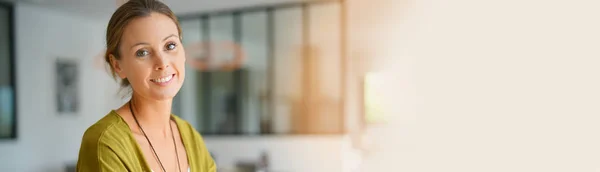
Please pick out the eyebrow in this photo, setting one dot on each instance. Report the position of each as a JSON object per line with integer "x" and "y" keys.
{"x": 143, "y": 43}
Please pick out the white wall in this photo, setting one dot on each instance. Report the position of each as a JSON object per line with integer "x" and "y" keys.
{"x": 510, "y": 86}
{"x": 380, "y": 38}
{"x": 47, "y": 140}
{"x": 491, "y": 85}
{"x": 285, "y": 153}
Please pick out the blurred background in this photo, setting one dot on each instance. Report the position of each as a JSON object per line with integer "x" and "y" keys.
{"x": 325, "y": 85}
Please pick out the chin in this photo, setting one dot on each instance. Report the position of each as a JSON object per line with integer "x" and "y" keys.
{"x": 164, "y": 94}
{"x": 167, "y": 90}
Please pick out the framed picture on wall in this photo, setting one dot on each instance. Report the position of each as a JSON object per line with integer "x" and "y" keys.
{"x": 67, "y": 86}
{"x": 8, "y": 112}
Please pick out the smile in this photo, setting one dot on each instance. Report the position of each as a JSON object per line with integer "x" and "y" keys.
{"x": 163, "y": 79}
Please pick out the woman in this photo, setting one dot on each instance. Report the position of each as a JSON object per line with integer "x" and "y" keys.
{"x": 144, "y": 51}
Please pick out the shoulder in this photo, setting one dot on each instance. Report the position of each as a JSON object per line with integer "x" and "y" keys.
{"x": 106, "y": 130}
{"x": 102, "y": 144}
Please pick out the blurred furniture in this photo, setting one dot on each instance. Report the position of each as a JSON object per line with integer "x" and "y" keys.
{"x": 71, "y": 167}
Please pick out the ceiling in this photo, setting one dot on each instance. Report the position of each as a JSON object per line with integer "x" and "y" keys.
{"x": 104, "y": 8}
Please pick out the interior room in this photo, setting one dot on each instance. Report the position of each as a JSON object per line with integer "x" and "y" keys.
{"x": 324, "y": 85}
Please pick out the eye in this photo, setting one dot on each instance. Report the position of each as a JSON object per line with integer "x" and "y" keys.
{"x": 171, "y": 46}
{"x": 141, "y": 53}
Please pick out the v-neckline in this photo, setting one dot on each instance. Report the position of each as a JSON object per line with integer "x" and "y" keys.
{"x": 139, "y": 149}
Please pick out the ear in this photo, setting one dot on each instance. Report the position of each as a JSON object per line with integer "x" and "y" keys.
{"x": 116, "y": 65}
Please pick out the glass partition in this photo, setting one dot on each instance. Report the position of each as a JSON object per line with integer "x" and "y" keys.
{"x": 271, "y": 70}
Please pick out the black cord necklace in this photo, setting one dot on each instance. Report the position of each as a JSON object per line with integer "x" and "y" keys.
{"x": 150, "y": 143}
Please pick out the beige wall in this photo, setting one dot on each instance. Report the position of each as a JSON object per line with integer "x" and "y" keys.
{"x": 487, "y": 85}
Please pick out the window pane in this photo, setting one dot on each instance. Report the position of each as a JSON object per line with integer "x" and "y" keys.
{"x": 288, "y": 62}
{"x": 255, "y": 45}
{"x": 221, "y": 86}
{"x": 323, "y": 67}
{"x": 5, "y": 67}
{"x": 189, "y": 96}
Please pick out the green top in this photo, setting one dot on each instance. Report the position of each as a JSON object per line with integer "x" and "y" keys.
{"x": 109, "y": 145}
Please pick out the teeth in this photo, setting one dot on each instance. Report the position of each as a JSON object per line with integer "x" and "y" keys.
{"x": 165, "y": 79}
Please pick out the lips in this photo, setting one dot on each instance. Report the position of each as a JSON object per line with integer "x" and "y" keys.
{"x": 164, "y": 79}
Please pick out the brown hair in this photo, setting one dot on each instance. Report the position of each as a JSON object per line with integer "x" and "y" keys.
{"x": 122, "y": 16}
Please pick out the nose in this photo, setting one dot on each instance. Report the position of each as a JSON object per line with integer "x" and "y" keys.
{"x": 162, "y": 62}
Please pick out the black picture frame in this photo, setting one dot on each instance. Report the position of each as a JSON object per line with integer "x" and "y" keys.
{"x": 12, "y": 74}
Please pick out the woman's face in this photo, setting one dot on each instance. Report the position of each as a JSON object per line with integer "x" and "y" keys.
{"x": 152, "y": 57}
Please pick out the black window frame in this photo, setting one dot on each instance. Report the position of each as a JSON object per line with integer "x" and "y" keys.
{"x": 12, "y": 43}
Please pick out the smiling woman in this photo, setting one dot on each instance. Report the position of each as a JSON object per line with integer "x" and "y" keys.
{"x": 143, "y": 49}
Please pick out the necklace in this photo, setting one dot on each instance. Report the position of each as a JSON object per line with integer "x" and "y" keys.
{"x": 150, "y": 143}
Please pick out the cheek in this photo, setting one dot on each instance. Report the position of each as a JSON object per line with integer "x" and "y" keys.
{"x": 137, "y": 72}
{"x": 181, "y": 55}
{"x": 180, "y": 66}
{"x": 180, "y": 62}
{"x": 184, "y": 57}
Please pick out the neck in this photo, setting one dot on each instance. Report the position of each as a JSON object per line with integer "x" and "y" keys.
{"x": 153, "y": 116}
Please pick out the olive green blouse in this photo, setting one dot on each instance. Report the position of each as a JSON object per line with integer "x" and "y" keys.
{"x": 109, "y": 145}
